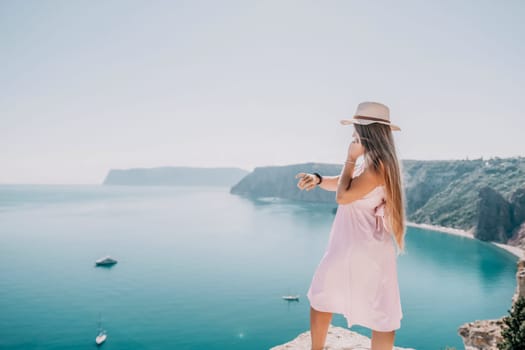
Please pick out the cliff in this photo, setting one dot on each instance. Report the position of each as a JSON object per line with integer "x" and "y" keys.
{"x": 175, "y": 176}
{"x": 498, "y": 219}
{"x": 338, "y": 338}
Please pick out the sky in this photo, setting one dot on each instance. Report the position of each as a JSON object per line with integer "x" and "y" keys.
{"x": 89, "y": 86}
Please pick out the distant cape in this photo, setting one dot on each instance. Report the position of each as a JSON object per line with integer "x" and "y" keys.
{"x": 175, "y": 176}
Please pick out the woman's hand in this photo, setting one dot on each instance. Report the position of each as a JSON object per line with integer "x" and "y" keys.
{"x": 355, "y": 149}
{"x": 308, "y": 181}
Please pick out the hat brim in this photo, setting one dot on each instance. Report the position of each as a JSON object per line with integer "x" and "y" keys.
{"x": 367, "y": 122}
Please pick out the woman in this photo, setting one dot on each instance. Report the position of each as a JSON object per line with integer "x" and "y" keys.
{"x": 357, "y": 276}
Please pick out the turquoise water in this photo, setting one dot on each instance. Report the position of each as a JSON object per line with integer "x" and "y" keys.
{"x": 200, "y": 268}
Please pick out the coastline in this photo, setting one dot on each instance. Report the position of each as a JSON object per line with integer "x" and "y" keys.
{"x": 516, "y": 251}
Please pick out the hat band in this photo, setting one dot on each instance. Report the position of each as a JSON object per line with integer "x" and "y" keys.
{"x": 372, "y": 118}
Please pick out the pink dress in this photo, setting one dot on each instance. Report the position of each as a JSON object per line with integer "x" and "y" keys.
{"x": 357, "y": 275}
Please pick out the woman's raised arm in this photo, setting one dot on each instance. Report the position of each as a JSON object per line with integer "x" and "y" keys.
{"x": 329, "y": 183}
{"x": 309, "y": 181}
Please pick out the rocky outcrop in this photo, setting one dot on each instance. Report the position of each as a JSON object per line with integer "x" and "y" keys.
{"x": 494, "y": 217}
{"x": 338, "y": 338}
{"x": 481, "y": 335}
{"x": 518, "y": 218}
{"x": 486, "y": 334}
{"x": 499, "y": 220}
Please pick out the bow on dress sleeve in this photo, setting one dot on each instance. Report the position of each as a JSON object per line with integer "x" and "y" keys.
{"x": 381, "y": 228}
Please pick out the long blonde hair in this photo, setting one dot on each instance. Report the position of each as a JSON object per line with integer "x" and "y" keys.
{"x": 380, "y": 153}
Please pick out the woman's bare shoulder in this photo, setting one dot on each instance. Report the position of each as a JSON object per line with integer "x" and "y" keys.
{"x": 373, "y": 178}
{"x": 377, "y": 177}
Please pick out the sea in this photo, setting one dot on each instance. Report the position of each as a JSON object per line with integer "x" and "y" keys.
{"x": 201, "y": 268}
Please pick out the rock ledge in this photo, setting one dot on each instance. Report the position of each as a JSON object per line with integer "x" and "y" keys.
{"x": 338, "y": 338}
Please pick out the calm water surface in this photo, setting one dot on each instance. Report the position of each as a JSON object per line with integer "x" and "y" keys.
{"x": 200, "y": 268}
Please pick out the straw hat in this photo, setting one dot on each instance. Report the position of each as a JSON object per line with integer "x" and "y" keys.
{"x": 371, "y": 112}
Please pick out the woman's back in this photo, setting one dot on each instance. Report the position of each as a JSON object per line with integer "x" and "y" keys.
{"x": 357, "y": 275}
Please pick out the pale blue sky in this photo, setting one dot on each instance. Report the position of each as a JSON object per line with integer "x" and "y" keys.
{"x": 87, "y": 86}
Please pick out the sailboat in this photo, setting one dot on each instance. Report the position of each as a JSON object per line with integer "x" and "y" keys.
{"x": 102, "y": 336}
{"x": 291, "y": 297}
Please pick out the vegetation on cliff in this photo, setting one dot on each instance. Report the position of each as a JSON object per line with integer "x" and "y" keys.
{"x": 513, "y": 330}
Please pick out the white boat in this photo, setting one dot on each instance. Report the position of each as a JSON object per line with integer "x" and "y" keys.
{"x": 102, "y": 336}
{"x": 105, "y": 261}
{"x": 291, "y": 297}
